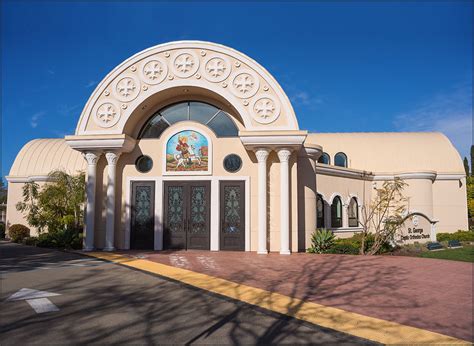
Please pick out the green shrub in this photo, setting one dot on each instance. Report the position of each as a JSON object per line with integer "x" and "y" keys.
{"x": 459, "y": 235}
{"x": 30, "y": 241}
{"x": 321, "y": 241}
{"x": 344, "y": 247}
{"x": 352, "y": 245}
{"x": 17, "y": 232}
{"x": 2, "y": 230}
{"x": 61, "y": 239}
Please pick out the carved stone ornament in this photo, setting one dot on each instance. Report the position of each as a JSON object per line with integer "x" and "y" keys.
{"x": 91, "y": 158}
{"x": 262, "y": 154}
{"x": 244, "y": 83}
{"x": 284, "y": 155}
{"x": 265, "y": 109}
{"x": 112, "y": 158}
{"x": 107, "y": 114}
{"x": 153, "y": 70}
{"x": 185, "y": 63}
{"x": 217, "y": 68}
{"x": 126, "y": 88}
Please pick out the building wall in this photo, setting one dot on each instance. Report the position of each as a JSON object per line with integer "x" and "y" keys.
{"x": 450, "y": 205}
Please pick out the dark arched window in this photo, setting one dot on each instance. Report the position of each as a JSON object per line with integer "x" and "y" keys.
{"x": 216, "y": 119}
{"x": 324, "y": 158}
{"x": 336, "y": 212}
{"x": 353, "y": 212}
{"x": 320, "y": 212}
{"x": 340, "y": 159}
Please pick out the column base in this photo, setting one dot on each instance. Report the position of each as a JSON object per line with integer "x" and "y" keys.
{"x": 285, "y": 252}
{"x": 265, "y": 252}
{"x": 88, "y": 249}
{"x": 108, "y": 249}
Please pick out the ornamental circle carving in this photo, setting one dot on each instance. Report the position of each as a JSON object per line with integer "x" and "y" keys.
{"x": 107, "y": 114}
{"x": 217, "y": 68}
{"x": 265, "y": 109}
{"x": 153, "y": 70}
{"x": 244, "y": 83}
{"x": 185, "y": 64}
{"x": 126, "y": 88}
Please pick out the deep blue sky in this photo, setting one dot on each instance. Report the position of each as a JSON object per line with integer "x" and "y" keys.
{"x": 345, "y": 66}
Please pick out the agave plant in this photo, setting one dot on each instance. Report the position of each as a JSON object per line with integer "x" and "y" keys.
{"x": 321, "y": 241}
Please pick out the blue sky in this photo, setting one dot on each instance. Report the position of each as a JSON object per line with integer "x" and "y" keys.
{"x": 346, "y": 66}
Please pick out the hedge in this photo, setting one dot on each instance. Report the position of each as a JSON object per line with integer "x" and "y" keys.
{"x": 459, "y": 235}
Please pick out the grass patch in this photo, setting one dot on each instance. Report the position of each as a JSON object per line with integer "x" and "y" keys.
{"x": 465, "y": 254}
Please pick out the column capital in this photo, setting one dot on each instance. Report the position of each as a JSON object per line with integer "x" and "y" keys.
{"x": 284, "y": 154}
{"x": 262, "y": 154}
{"x": 112, "y": 157}
{"x": 92, "y": 157}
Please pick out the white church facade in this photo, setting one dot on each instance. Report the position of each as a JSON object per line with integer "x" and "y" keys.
{"x": 194, "y": 145}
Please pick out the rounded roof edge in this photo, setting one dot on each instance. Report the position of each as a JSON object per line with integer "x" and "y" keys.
{"x": 393, "y": 151}
{"x": 39, "y": 157}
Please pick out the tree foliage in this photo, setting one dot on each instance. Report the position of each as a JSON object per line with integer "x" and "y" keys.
{"x": 383, "y": 217}
{"x": 59, "y": 204}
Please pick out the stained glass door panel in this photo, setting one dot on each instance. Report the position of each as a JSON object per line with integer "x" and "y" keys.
{"x": 175, "y": 216}
{"x": 232, "y": 214}
{"x": 143, "y": 215}
{"x": 198, "y": 216}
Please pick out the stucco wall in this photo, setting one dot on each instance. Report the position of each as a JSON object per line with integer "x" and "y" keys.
{"x": 450, "y": 205}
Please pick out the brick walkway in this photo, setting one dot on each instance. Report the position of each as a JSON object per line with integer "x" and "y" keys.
{"x": 426, "y": 293}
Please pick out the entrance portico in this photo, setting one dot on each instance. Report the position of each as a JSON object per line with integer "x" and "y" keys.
{"x": 191, "y": 124}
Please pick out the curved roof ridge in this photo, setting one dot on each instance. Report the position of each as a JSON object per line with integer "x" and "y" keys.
{"x": 39, "y": 157}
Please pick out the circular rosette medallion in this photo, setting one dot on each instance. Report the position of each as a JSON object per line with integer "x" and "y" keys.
{"x": 266, "y": 109}
{"x": 126, "y": 88}
{"x": 244, "y": 83}
{"x": 217, "y": 68}
{"x": 153, "y": 70}
{"x": 185, "y": 64}
{"x": 106, "y": 114}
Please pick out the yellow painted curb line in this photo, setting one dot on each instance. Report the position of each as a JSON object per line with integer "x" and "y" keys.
{"x": 365, "y": 327}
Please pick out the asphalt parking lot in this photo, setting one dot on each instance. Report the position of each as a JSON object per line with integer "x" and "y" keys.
{"x": 100, "y": 302}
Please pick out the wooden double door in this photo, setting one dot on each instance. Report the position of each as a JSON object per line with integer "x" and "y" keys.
{"x": 186, "y": 215}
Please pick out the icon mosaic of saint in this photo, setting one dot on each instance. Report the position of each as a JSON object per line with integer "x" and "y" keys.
{"x": 187, "y": 151}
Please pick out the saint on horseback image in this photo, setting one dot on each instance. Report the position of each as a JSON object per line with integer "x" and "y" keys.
{"x": 187, "y": 151}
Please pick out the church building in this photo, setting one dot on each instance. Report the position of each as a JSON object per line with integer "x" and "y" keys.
{"x": 194, "y": 145}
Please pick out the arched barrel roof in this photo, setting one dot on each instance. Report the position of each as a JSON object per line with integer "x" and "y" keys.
{"x": 392, "y": 152}
{"x": 41, "y": 156}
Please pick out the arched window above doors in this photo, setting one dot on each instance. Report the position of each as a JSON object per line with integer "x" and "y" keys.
{"x": 340, "y": 159}
{"x": 336, "y": 212}
{"x": 216, "y": 119}
{"x": 353, "y": 213}
{"x": 320, "y": 212}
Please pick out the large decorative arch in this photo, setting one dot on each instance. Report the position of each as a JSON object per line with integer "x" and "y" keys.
{"x": 248, "y": 87}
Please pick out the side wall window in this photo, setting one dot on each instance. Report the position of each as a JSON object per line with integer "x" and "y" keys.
{"x": 353, "y": 213}
{"x": 336, "y": 212}
{"x": 324, "y": 158}
{"x": 340, "y": 159}
{"x": 320, "y": 212}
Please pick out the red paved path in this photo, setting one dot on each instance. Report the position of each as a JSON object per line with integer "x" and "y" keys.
{"x": 426, "y": 293}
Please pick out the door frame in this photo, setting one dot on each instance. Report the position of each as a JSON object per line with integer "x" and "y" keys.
{"x": 215, "y": 207}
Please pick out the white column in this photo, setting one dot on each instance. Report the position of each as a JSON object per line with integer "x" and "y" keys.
{"x": 262, "y": 155}
{"x": 91, "y": 158}
{"x": 112, "y": 158}
{"x": 284, "y": 156}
